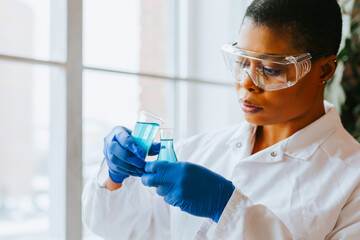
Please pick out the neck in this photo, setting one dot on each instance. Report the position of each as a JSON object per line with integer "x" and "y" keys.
{"x": 269, "y": 135}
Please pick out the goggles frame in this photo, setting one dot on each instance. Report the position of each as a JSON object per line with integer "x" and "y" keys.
{"x": 300, "y": 62}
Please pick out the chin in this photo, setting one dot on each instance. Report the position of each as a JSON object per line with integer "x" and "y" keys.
{"x": 253, "y": 120}
{"x": 258, "y": 121}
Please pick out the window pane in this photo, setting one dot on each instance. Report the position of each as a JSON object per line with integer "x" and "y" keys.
{"x": 24, "y": 141}
{"x": 128, "y": 35}
{"x": 213, "y": 24}
{"x": 115, "y": 99}
{"x": 25, "y": 28}
{"x": 211, "y": 106}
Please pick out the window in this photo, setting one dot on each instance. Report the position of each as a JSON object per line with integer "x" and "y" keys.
{"x": 30, "y": 68}
{"x": 72, "y": 70}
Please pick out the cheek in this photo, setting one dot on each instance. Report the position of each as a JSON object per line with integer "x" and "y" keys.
{"x": 307, "y": 89}
{"x": 291, "y": 103}
{"x": 280, "y": 106}
{"x": 277, "y": 108}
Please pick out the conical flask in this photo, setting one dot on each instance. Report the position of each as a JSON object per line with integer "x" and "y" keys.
{"x": 167, "y": 152}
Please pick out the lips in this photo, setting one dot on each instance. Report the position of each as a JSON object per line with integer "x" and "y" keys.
{"x": 249, "y": 107}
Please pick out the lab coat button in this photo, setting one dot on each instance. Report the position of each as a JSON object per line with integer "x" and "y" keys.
{"x": 273, "y": 154}
{"x": 238, "y": 145}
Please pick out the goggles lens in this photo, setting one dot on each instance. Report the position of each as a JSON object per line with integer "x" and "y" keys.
{"x": 268, "y": 72}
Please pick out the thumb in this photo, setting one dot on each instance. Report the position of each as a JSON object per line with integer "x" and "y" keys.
{"x": 155, "y": 166}
{"x": 155, "y": 173}
{"x": 155, "y": 149}
{"x": 148, "y": 180}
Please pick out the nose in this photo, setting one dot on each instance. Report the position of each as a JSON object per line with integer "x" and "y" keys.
{"x": 247, "y": 82}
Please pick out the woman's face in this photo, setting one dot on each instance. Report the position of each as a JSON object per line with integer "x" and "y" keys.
{"x": 283, "y": 106}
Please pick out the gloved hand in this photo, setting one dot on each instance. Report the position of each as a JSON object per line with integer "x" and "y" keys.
{"x": 191, "y": 187}
{"x": 123, "y": 155}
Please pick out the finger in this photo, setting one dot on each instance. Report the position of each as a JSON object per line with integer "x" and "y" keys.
{"x": 119, "y": 166}
{"x": 124, "y": 138}
{"x": 109, "y": 138}
{"x": 122, "y": 128}
{"x": 105, "y": 146}
{"x": 171, "y": 200}
{"x": 156, "y": 174}
{"x": 168, "y": 199}
{"x": 125, "y": 168}
{"x": 126, "y": 155}
{"x": 127, "y": 172}
{"x": 148, "y": 180}
{"x": 155, "y": 149}
{"x": 152, "y": 167}
{"x": 107, "y": 155}
{"x": 117, "y": 178}
{"x": 118, "y": 129}
{"x": 116, "y": 149}
{"x": 162, "y": 190}
{"x": 118, "y": 170}
{"x": 128, "y": 169}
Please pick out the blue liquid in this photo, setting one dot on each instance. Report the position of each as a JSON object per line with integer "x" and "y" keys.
{"x": 144, "y": 134}
{"x": 167, "y": 152}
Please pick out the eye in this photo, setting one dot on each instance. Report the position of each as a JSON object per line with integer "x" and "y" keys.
{"x": 242, "y": 63}
{"x": 272, "y": 72}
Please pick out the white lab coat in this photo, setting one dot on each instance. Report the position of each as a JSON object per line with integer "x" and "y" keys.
{"x": 304, "y": 187}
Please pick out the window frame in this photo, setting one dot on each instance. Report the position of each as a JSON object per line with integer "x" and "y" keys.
{"x": 66, "y": 103}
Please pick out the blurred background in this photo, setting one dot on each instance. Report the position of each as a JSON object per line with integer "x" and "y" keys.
{"x": 71, "y": 70}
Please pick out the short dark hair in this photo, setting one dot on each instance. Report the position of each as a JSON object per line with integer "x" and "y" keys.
{"x": 315, "y": 26}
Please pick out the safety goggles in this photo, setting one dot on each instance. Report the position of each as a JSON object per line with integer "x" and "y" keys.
{"x": 267, "y": 71}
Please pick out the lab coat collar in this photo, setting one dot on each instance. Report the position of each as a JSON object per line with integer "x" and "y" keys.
{"x": 301, "y": 145}
{"x": 306, "y": 141}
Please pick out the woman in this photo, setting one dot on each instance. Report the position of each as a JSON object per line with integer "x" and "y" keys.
{"x": 290, "y": 171}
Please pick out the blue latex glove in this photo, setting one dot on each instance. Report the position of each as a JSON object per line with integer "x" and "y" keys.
{"x": 123, "y": 155}
{"x": 192, "y": 188}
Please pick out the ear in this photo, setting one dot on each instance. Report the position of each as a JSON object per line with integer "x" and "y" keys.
{"x": 327, "y": 67}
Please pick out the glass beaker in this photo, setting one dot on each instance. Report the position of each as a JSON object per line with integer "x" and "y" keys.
{"x": 167, "y": 152}
{"x": 145, "y": 129}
